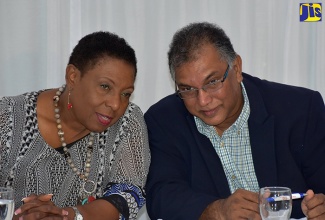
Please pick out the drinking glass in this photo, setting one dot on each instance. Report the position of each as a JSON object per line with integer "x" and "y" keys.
{"x": 275, "y": 203}
{"x": 6, "y": 203}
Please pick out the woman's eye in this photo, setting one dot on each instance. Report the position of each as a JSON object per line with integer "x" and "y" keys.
{"x": 126, "y": 94}
{"x": 105, "y": 86}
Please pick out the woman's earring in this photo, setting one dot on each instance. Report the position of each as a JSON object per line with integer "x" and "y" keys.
{"x": 69, "y": 104}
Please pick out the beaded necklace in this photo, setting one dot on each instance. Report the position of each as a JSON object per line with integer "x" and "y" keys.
{"x": 85, "y": 195}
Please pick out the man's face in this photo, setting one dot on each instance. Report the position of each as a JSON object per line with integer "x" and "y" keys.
{"x": 220, "y": 108}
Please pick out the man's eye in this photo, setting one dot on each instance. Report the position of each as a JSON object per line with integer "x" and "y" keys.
{"x": 213, "y": 82}
{"x": 185, "y": 89}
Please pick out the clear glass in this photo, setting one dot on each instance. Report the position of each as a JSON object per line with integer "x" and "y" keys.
{"x": 6, "y": 203}
{"x": 275, "y": 203}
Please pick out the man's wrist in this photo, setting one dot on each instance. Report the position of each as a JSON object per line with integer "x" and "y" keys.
{"x": 213, "y": 211}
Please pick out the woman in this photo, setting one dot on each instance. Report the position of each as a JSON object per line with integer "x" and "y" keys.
{"x": 80, "y": 151}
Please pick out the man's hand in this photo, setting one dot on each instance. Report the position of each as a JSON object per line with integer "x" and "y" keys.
{"x": 40, "y": 207}
{"x": 313, "y": 205}
{"x": 242, "y": 204}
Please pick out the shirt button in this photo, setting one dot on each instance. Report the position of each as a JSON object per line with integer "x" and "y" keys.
{"x": 222, "y": 144}
{"x": 238, "y": 132}
{"x": 233, "y": 177}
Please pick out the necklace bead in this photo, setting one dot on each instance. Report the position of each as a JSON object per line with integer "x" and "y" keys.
{"x": 82, "y": 175}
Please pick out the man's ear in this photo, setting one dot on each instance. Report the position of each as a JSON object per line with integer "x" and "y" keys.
{"x": 71, "y": 75}
{"x": 237, "y": 67}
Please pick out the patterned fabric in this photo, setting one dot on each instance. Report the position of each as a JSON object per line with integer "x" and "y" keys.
{"x": 130, "y": 194}
{"x": 234, "y": 150}
{"x": 29, "y": 165}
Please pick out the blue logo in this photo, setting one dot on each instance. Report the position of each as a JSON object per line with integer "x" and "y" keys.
{"x": 310, "y": 12}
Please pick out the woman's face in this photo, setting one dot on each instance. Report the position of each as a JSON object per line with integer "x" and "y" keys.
{"x": 101, "y": 96}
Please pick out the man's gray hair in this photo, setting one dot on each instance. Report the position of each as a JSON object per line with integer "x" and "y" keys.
{"x": 187, "y": 42}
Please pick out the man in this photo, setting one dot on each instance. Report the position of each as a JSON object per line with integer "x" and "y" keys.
{"x": 225, "y": 134}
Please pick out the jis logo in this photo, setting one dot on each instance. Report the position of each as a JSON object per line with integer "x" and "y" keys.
{"x": 310, "y": 12}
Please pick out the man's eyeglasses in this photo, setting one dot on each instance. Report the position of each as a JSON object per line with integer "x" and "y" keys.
{"x": 211, "y": 87}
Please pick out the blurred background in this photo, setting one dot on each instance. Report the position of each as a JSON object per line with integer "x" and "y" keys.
{"x": 37, "y": 37}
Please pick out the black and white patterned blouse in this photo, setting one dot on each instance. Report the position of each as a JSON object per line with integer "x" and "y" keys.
{"x": 119, "y": 164}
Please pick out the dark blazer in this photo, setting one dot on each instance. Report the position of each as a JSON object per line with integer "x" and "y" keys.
{"x": 287, "y": 136}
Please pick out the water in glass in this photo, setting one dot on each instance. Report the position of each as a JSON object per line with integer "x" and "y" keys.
{"x": 6, "y": 203}
{"x": 275, "y": 203}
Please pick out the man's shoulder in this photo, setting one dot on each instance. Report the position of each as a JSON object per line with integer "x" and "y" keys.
{"x": 280, "y": 99}
{"x": 168, "y": 112}
{"x": 168, "y": 104}
{"x": 267, "y": 87}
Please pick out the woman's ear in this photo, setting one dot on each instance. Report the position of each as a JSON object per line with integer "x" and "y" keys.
{"x": 71, "y": 75}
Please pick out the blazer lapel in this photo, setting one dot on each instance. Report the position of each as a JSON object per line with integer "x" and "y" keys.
{"x": 261, "y": 132}
{"x": 211, "y": 159}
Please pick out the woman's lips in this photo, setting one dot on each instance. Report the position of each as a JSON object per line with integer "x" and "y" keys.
{"x": 103, "y": 119}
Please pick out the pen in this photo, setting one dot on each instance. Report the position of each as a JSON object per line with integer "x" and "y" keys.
{"x": 281, "y": 198}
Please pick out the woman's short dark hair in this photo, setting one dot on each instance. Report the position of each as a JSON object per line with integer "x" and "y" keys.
{"x": 188, "y": 40}
{"x": 95, "y": 46}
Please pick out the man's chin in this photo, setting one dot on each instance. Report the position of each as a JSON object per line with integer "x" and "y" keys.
{"x": 212, "y": 121}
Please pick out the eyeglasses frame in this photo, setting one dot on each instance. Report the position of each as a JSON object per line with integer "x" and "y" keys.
{"x": 203, "y": 87}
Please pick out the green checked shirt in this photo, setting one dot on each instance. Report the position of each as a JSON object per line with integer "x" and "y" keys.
{"x": 234, "y": 150}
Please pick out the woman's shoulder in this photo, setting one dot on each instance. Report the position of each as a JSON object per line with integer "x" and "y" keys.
{"x": 134, "y": 110}
{"x": 20, "y": 104}
{"x": 21, "y": 99}
{"x": 13, "y": 110}
{"x": 10, "y": 103}
{"x": 132, "y": 118}
{"x": 133, "y": 113}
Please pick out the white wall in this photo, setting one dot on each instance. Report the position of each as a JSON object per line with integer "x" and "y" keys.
{"x": 37, "y": 36}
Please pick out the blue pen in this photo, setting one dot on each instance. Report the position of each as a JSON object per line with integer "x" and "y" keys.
{"x": 281, "y": 198}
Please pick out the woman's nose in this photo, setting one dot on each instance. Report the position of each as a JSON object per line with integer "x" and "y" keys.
{"x": 113, "y": 102}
